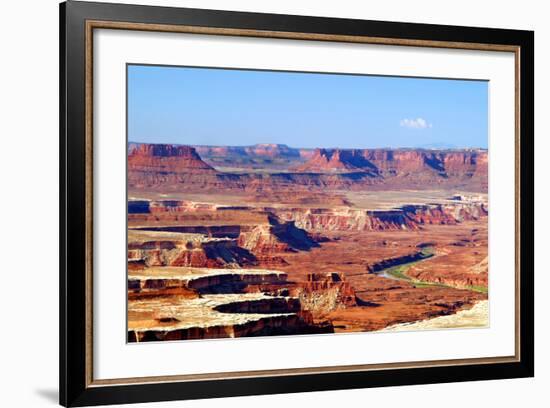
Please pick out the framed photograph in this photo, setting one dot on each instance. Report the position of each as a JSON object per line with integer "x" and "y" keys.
{"x": 256, "y": 203}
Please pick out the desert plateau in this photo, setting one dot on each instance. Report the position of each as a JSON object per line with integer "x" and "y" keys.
{"x": 269, "y": 239}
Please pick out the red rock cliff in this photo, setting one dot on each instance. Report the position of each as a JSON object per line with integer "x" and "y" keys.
{"x": 422, "y": 164}
{"x": 181, "y": 168}
{"x": 151, "y": 165}
{"x": 166, "y": 157}
{"x": 323, "y": 160}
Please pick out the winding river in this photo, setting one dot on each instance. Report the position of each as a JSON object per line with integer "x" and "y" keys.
{"x": 398, "y": 272}
{"x": 476, "y": 317}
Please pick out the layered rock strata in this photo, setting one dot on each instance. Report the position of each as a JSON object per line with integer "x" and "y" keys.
{"x": 181, "y": 168}
{"x": 409, "y": 217}
{"x": 322, "y": 293}
{"x": 218, "y": 303}
{"x": 406, "y": 217}
{"x": 409, "y": 163}
{"x": 163, "y": 248}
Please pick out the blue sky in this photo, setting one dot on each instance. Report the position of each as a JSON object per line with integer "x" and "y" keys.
{"x": 205, "y": 106}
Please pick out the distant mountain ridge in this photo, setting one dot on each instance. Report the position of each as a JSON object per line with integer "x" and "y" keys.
{"x": 283, "y": 156}
{"x": 184, "y": 168}
{"x": 399, "y": 162}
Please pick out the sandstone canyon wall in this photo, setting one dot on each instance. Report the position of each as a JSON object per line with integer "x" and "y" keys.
{"x": 182, "y": 168}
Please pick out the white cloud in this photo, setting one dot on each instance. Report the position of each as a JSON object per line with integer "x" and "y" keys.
{"x": 418, "y": 123}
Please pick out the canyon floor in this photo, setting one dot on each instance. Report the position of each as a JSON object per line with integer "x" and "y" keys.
{"x": 231, "y": 264}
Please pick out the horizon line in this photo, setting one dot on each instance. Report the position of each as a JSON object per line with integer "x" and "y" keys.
{"x": 315, "y": 148}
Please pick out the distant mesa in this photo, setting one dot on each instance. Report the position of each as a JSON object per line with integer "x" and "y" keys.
{"x": 279, "y": 155}
{"x": 416, "y": 163}
{"x": 166, "y": 157}
{"x": 267, "y": 150}
{"x": 271, "y": 168}
{"x": 163, "y": 150}
{"x": 336, "y": 160}
{"x": 272, "y": 150}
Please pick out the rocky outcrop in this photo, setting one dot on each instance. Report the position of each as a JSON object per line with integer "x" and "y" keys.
{"x": 282, "y": 228}
{"x": 235, "y": 282}
{"x": 177, "y": 212}
{"x": 201, "y": 280}
{"x": 322, "y": 293}
{"x": 266, "y": 305}
{"x": 221, "y": 308}
{"x": 460, "y": 164}
{"x": 411, "y": 163}
{"x": 276, "y": 237}
{"x": 155, "y": 164}
{"x": 409, "y": 217}
{"x": 151, "y": 248}
{"x": 164, "y": 157}
{"x": 403, "y": 163}
{"x": 320, "y": 220}
{"x": 326, "y": 160}
{"x": 277, "y": 325}
{"x": 261, "y": 241}
{"x": 445, "y": 214}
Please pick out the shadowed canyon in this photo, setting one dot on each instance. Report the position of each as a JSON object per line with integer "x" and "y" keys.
{"x": 271, "y": 240}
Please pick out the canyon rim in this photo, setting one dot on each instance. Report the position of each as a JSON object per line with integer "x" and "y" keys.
{"x": 281, "y": 203}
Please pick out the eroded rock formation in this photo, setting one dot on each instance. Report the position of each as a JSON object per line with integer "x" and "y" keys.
{"x": 321, "y": 293}
{"x": 156, "y": 311}
{"x": 409, "y": 217}
{"x": 266, "y": 239}
{"x": 162, "y": 248}
{"x": 276, "y": 237}
{"x": 387, "y": 163}
{"x": 181, "y": 167}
